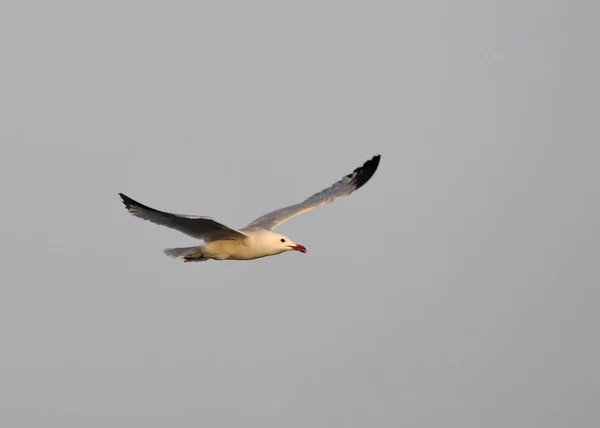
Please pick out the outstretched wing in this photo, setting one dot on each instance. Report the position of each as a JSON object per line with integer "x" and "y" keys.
{"x": 197, "y": 227}
{"x": 344, "y": 187}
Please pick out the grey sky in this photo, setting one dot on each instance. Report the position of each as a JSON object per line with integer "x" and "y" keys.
{"x": 458, "y": 288}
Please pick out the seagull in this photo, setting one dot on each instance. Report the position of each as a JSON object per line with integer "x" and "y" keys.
{"x": 258, "y": 238}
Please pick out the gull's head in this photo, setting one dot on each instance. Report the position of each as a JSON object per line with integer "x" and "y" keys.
{"x": 286, "y": 244}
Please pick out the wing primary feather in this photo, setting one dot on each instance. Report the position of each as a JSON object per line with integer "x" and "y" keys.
{"x": 133, "y": 205}
{"x": 365, "y": 172}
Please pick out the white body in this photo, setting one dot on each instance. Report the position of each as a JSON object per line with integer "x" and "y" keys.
{"x": 260, "y": 243}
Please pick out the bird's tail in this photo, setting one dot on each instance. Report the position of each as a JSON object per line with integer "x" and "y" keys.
{"x": 189, "y": 254}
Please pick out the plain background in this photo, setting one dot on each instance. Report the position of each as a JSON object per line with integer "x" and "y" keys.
{"x": 458, "y": 288}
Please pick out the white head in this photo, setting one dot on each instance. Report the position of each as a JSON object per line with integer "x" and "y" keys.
{"x": 276, "y": 243}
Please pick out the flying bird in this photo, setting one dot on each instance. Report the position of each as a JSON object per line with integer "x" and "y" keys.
{"x": 258, "y": 238}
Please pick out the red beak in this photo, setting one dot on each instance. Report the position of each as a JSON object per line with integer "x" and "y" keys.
{"x": 298, "y": 248}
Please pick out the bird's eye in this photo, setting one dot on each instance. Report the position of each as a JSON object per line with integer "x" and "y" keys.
{"x": 282, "y": 240}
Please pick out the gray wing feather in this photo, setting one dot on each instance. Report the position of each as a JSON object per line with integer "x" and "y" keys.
{"x": 343, "y": 187}
{"x": 197, "y": 227}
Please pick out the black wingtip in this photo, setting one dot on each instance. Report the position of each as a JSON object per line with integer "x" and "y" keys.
{"x": 132, "y": 204}
{"x": 127, "y": 201}
{"x": 363, "y": 173}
